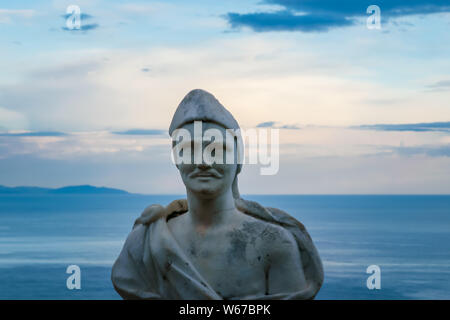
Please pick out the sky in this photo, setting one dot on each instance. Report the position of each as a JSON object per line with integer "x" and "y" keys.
{"x": 360, "y": 110}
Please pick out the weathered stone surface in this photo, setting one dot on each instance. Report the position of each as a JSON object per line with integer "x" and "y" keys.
{"x": 201, "y": 105}
{"x": 215, "y": 245}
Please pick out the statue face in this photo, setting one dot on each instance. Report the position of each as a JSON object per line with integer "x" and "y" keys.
{"x": 209, "y": 180}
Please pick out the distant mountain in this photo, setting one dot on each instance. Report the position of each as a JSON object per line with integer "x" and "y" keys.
{"x": 85, "y": 189}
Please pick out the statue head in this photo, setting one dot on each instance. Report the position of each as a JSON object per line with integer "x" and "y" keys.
{"x": 203, "y": 134}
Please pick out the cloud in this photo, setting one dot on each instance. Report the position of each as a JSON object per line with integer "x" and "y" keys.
{"x": 325, "y": 159}
{"x": 83, "y": 16}
{"x": 140, "y": 132}
{"x": 418, "y": 127}
{"x": 358, "y": 7}
{"x": 83, "y": 26}
{"x": 104, "y": 89}
{"x": 429, "y": 150}
{"x": 12, "y": 120}
{"x": 439, "y": 85}
{"x": 268, "y": 124}
{"x": 63, "y": 90}
{"x": 285, "y": 21}
{"x": 135, "y": 163}
{"x": 272, "y": 124}
{"x": 290, "y": 126}
{"x": 322, "y": 15}
{"x": 82, "y": 90}
{"x": 9, "y": 15}
{"x": 33, "y": 134}
{"x": 77, "y": 145}
{"x": 91, "y": 26}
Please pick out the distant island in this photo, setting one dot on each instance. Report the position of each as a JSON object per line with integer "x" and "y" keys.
{"x": 84, "y": 189}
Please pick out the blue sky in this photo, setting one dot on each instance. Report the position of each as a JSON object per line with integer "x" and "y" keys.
{"x": 360, "y": 110}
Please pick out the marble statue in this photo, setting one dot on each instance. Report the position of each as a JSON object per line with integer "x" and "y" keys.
{"x": 214, "y": 244}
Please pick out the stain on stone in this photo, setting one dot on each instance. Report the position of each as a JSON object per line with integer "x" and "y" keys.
{"x": 192, "y": 250}
{"x": 248, "y": 234}
{"x": 269, "y": 234}
{"x": 252, "y": 234}
{"x": 253, "y": 230}
{"x": 239, "y": 240}
{"x": 204, "y": 254}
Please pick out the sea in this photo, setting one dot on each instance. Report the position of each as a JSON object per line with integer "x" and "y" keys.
{"x": 406, "y": 238}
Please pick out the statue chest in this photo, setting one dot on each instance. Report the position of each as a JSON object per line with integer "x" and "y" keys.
{"x": 232, "y": 265}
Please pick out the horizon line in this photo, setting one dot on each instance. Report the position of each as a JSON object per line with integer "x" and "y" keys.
{"x": 245, "y": 194}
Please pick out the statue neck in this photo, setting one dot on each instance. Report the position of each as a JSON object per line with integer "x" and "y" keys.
{"x": 209, "y": 212}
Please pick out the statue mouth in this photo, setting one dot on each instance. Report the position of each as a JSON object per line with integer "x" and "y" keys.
{"x": 205, "y": 174}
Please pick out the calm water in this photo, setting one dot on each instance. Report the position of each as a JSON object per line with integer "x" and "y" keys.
{"x": 407, "y": 236}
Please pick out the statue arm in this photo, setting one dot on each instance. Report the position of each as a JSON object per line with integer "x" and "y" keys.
{"x": 285, "y": 271}
{"x": 129, "y": 273}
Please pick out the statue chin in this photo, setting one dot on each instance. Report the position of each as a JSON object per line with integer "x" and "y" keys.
{"x": 205, "y": 190}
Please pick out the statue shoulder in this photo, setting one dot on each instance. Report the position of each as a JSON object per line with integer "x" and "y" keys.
{"x": 311, "y": 261}
{"x": 135, "y": 241}
{"x": 156, "y": 211}
{"x": 150, "y": 214}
